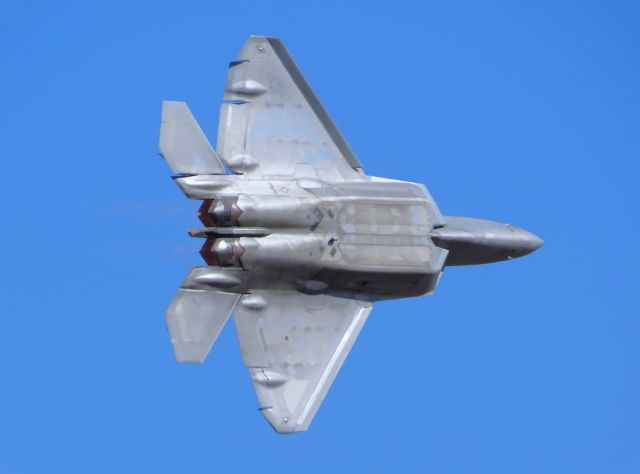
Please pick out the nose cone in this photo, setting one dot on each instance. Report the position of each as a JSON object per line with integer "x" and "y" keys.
{"x": 473, "y": 241}
{"x": 526, "y": 243}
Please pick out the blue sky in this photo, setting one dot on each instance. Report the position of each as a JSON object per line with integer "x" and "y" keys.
{"x": 522, "y": 113}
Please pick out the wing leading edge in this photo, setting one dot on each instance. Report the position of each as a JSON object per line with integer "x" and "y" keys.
{"x": 294, "y": 345}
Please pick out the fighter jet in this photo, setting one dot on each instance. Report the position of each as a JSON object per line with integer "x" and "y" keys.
{"x": 299, "y": 243}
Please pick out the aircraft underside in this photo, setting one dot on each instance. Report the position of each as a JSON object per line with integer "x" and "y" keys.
{"x": 298, "y": 241}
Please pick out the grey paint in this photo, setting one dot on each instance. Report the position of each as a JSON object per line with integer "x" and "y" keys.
{"x": 183, "y": 144}
{"x": 314, "y": 102}
{"x": 472, "y": 241}
{"x": 299, "y": 241}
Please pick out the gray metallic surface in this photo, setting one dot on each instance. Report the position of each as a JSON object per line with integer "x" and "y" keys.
{"x": 183, "y": 144}
{"x": 193, "y": 326}
{"x": 314, "y": 102}
{"x": 293, "y": 346}
{"x": 473, "y": 241}
{"x": 299, "y": 243}
{"x": 272, "y": 124}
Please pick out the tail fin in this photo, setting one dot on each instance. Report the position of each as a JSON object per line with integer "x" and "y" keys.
{"x": 183, "y": 144}
{"x": 195, "y": 319}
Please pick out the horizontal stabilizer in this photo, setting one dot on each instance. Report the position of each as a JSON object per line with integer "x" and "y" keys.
{"x": 183, "y": 143}
{"x": 195, "y": 319}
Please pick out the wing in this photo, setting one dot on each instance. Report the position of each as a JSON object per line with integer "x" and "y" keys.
{"x": 272, "y": 123}
{"x": 293, "y": 346}
{"x": 195, "y": 319}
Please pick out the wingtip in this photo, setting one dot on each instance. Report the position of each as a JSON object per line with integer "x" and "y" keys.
{"x": 281, "y": 423}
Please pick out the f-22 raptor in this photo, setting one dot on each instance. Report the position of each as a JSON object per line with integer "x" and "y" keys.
{"x": 300, "y": 242}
